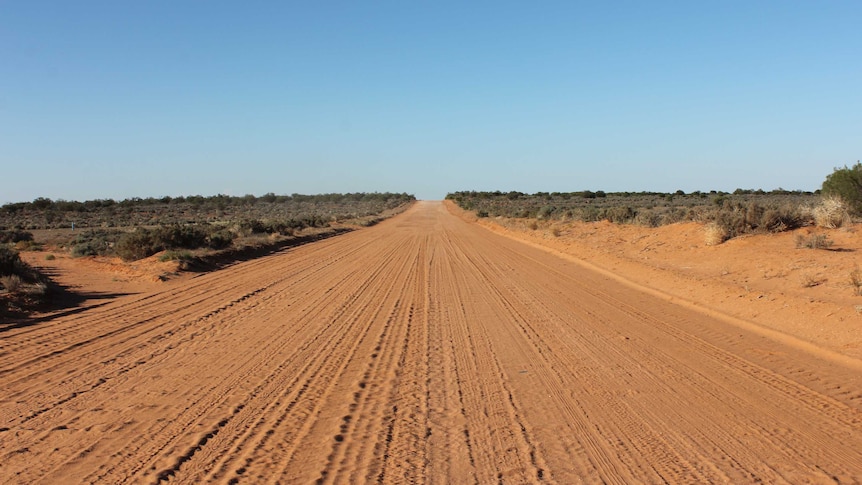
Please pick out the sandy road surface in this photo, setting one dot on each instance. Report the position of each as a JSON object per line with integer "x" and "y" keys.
{"x": 424, "y": 349}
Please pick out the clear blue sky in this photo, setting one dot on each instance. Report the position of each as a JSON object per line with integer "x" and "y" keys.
{"x": 119, "y": 99}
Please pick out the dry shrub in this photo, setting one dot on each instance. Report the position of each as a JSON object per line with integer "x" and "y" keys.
{"x": 715, "y": 234}
{"x": 11, "y": 283}
{"x": 810, "y": 281}
{"x": 856, "y": 281}
{"x": 831, "y": 213}
{"x": 813, "y": 241}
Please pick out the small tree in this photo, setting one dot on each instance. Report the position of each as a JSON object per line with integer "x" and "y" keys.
{"x": 846, "y": 183}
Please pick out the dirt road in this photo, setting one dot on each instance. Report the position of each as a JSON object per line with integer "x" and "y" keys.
{"x": 424, "y": 349}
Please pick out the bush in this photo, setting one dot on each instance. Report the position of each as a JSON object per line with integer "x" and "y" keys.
{"x": 179, "y": 237}
{"x": 846, "y": 183}
{"x": 813, "y": 241}
{"x": 11, "y": 283}
{"x": 10, "y": 261}
{"x": 831, "y": 213}
{"x": 171, "y": 255}
{"x": 15, "y": 236}
{"x": 96, "y": 242}
{"x": 715, "y": 234}
{"x": 220, "y": 239}
{"x": 856, "y": 281}
{"x": 136, "y": 245}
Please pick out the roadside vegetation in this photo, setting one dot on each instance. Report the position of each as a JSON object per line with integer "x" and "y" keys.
{"x": 293, "y": 210}
{"x": 725, "y": 215}
{"x": 21, "y": 286}
{"x": 134, "y": 229}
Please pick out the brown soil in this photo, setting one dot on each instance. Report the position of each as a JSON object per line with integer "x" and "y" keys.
{"x": 424, "y": 349}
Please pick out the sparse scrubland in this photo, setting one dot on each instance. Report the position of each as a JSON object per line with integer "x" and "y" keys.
{"x": 137, "y": 228}
{"x": 724, "y": 215}
{"x": 44, "y": 213}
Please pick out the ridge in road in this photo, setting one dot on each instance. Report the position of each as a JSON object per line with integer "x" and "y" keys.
{"x": 424, "y": 349}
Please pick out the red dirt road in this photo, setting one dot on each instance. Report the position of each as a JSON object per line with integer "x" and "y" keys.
{"x": 424, "y": 349}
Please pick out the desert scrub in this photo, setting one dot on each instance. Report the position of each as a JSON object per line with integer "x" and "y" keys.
{"x": 742, "y": 212}
{"x": 10, "y": 261}
{"x": 813, "y": 241}
{"x": 714, "y": 234}
{"x": 11, "y": 283}
{"x": 856, "y": 281}
{"x": 136, "y": 245}
{"x": 810, "y": 281}
{"x": 171, "y": 255}
{"x": 16, "y": 276}
{"x": 846, "y": 184}
{"x": 831, "y": 213}
{"x": 44, "y": 213}
{"x": 15, "y": 236}
{"x": 95, "y": 242}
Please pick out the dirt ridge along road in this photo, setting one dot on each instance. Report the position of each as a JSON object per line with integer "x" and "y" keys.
{"x": 424, "y": 349}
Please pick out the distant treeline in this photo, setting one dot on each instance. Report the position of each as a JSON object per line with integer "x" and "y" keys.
{"x": 589, "y": 194}
{"x": 221, "y": 200}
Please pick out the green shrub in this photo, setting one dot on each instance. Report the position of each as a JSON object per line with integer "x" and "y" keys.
{"x": 179, "y": 237}
{"x": 846, "y": 183}
{"x": 136, "y": 245}
{"x": 219, "y": 239}
{"x": 15, "y": 236}
{"x": 95, "y": 242}
{"x": 10, "y": 261}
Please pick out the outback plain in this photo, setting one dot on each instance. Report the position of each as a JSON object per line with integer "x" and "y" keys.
{"x": 442, "y": 346}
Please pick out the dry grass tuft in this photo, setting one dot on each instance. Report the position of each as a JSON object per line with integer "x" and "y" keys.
{"x": 715, "y": 234}
{"x": 856, "y": 281}
{"x": 810, "y": 281}
{"x": 832, "y": 213}
{"x": 813, "y": 241}
{"x": 11, "y": 283}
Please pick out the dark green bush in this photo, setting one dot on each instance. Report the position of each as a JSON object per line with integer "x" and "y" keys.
{"x": 179, "y": 237}
{"x": 10, "y": 261}
{"x": 220, "y": 239}
{"x": 15, "y": 236}
{"x": 846, "y": 183}
{"x": 95, "y": 242}
{"x": 137, "y": 245}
